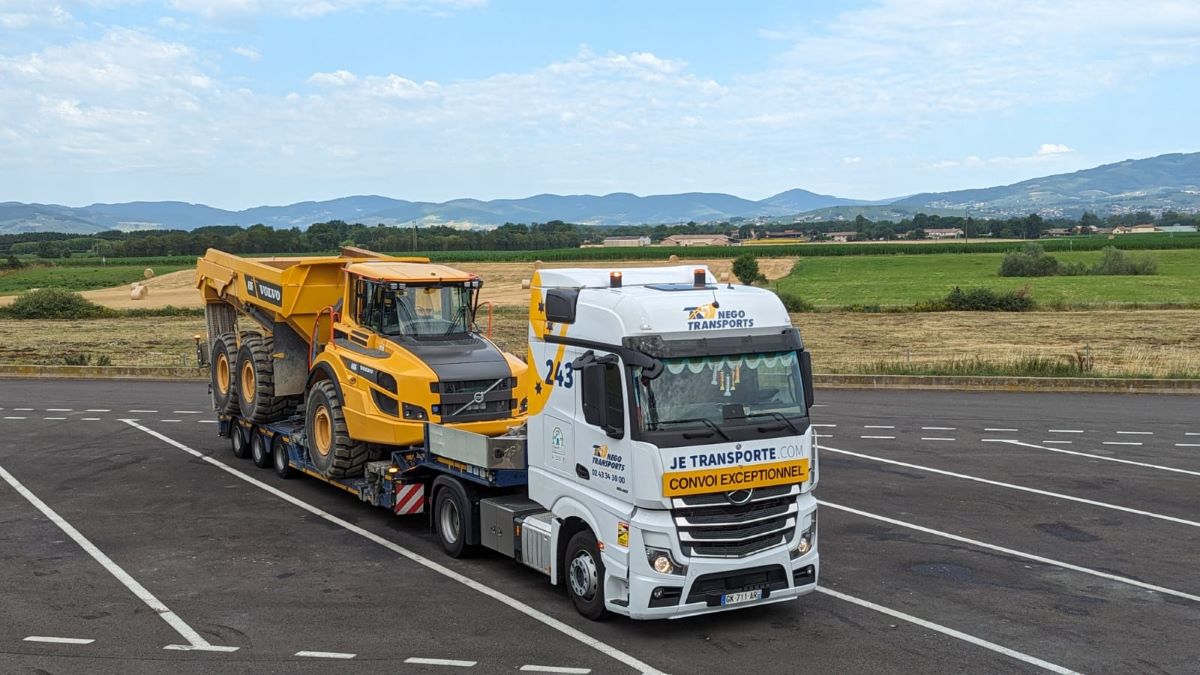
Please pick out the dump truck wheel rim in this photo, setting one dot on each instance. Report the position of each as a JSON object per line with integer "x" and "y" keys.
{"x": 223, "y": 374}
{"x": 323, "y": 430}
{"x": 248, "y": 385}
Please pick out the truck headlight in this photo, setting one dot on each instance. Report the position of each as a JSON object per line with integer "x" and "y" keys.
{"x": 805, "y": 542}
{"x": 414, "y": 412}
{"x": 662, "y": 562}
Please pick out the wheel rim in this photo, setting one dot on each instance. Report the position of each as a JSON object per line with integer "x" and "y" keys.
{"x": 223, "y": 374}
{"x": 322, "y": 431}
{"x": 258, "y": 448}
{"x": 238, "y": 439}
{"x": 280, "y": 458}
{"x": 450, "y": 521}
{"x": 584, "y": 576}
{"x": 248, "y": 385}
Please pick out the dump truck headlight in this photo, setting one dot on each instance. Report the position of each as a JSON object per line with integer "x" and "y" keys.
{"x": 414, "y": 412}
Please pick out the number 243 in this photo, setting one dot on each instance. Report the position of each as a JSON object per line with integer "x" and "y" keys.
{"x": 560, "y": 374}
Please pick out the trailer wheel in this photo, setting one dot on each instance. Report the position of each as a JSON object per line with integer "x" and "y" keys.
{"x": 280, "y": 457}
{"x": 260, "y": 450}
{"x": 585, "y": 575}
{"x": 223, "y": 374}
{"x": 237, "y": 440}
{"x": 256, "y": 381}
{"x": 450, "y": 521}
{"x": 329, "y": 445}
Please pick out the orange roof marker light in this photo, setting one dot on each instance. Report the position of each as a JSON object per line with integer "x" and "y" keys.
{"x": 614, "y": 279}
{"x": 699, "y": 278}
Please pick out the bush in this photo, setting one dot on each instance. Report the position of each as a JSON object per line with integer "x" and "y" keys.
{"x": 78, "y": 359}
{"x": 745, "y": 268}
{"x": 987, "y": 300}
{"x": 1117, "y": 262}
{"x": 52, "y": 303}
{"x": 1030, "y": 261}
{"x": 795, "y": 303}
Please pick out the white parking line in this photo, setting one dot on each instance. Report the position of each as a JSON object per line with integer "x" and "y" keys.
{"x": 23, "y": 409}
{"x": 1187, "y": 445}
{"x": 59, "y": 640}
{"x": 195, "y": 642}
{"x": 1191, "y": 433}
{"x": 440, "y": 662}
{"x": 979, "y": 642}
{"x": 58, "y": 410}
{"x": 1065, "y": 431}
{"x": 326, "y": 655}
{"x": 1119, "y": 443}
{"x": 878, "y": 426}
{"x": 170, "y": 420}
{"x": 143, "y": 411}
{"x": 98, "y": 410}
{"x": 1046, "y": 442}
{"x": 823, "y": 425}
{"x": 1137, "y": 433}
{"x": 939, "y": 428}
{"x": 555, "y": 669}
{"x": 90, "y": 419}
{"x": 1014, "y": 552}
{"x": 207, "y": 421}
{"x": 1011, "y": 486}
{"x": 186, "y": 412}
{"x": 13, "y": 417}
{"x": 54, "y": 418}
{"x": 998, "y": 429}
{"x": 879, "y": 437}
{"x": 545, "y": 619}
{"x": 935, "y": 438}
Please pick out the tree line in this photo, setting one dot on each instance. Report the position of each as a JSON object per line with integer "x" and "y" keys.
{"x": 556, "y": 234}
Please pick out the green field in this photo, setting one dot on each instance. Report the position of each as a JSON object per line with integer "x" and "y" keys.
{"x": 902, "y": 280}
{"x": 75, "y": 278}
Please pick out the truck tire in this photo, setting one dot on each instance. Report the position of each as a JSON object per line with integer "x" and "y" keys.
{"x": 450, "y": 520}
{"x": 280, "y": 458}
{"x": 237, "y": 441}
{"x": 585, "y": 575}
{"x": 330, "y": 448}
{"x": 260, "y": 450}
{"x": 223, "y": 374}
{"x": 256, "y": 381}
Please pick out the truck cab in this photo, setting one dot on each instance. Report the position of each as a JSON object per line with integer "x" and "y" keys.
{"x": 668, "y": 415}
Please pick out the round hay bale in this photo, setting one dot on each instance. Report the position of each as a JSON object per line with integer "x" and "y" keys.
{"x": 674, "y": 258}
{"x": 526, "y": 283}
{"x": 134, "y": 285}
{"x": 148, "y": 273}
{"x": 139, "y": 293}
{"x": 538, "y": 264}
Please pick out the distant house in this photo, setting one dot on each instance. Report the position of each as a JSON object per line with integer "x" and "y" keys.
{"x": 841, "y": 236}
{"x": 699, "y": 240}
{"x": 1059, "y": 232}
{"x": 785, "y": 234}
{"x": 943, "y": 233}
{"x": 627, "y": 241}
{"x": 1177, "y": 228}
{"x": 1140, "y": 228}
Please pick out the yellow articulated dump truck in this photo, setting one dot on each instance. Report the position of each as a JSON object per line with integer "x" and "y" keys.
{"x": 365, "y": 347}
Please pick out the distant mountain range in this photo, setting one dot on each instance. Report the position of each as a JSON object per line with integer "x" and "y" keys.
{"x": 1163, "y": 182}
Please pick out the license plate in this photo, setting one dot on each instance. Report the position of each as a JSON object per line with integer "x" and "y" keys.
{"x": 738, "y": 598}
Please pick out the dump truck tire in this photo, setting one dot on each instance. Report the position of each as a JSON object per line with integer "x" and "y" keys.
{"x": 330, "y": 448}
{"x": 224, "y": 374}
{"x": 256, "y": 381}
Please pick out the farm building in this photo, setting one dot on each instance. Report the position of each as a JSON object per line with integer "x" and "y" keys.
{"x": 699, "y": 240}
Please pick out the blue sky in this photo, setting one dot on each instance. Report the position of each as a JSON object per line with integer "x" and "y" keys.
{"x": 237, "y": 103}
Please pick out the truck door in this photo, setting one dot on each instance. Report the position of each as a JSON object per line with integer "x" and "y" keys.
{"x": 602, "y": 447}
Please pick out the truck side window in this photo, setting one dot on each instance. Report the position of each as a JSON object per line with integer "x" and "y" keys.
{"x": 603, "y": 400}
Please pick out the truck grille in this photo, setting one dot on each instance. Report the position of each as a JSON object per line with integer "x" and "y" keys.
{"x": 712, "y": 526}
{"x": 458, "y": 399}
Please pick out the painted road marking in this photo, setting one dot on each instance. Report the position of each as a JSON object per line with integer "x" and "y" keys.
{"x": 23, "y": 409}
{"x": 935, "y": 438}
{"x": 1119, "y": 443}
{"x": 195, "y": 642}
{"x": 1011, "y": 486}
{"x": 545, "y": 619}
{"x": 555, "y": 669}
{"x": 208, "y": 421}
{"x": 879, "y": 437}
{"x": 1065, "y": 431}
{"x": 939, "y": 428}
{"x": 59, "y": 640}
{"x": 440, "y": 662}
{"x": 170, "y": 420}
{"x": 998, "y": 429}
{"x": 823, "y": 425}
{"x": 1191, "y": 433}
{"x": 878, "y": 426}
{"x": 13, "y": 417}
{"x": 1014, "y": 552}
{"x": 89, "y": 419}
{"x": 54, "y": 418}
{"x": 979, "y": 642}
{"x": 1046, "y": 442}
{"x": 97, "y": 410}
{"x": 58, "y": 410}
{"x": 143, "y": 411}
{"x": 1137, "y": 433}
{"x": 186, "y": 412}
{"x": 326, "y": 655}
{"x": 1187, "y": 445}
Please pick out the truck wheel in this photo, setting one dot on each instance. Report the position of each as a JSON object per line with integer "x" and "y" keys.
{"x": 237, "y": 440}
{"x": 280, "y": 456}
{"x": 450, "y": 521}
{"x": 260, "y": 450}
{"x": 585, "y": 575}
{"x": 329, "y": 445}
{"x": 256, "y": 381}
{"x": 223, "y": 374}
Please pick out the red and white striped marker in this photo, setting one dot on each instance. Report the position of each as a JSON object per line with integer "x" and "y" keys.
{"x": 410, "y": 499}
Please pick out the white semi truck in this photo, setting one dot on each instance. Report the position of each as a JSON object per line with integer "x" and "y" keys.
{"x": 666, "y": 467}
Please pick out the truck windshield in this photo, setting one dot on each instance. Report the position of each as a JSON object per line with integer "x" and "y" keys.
{"x": 715, "y": 391}
{"x": 421, "y": 311}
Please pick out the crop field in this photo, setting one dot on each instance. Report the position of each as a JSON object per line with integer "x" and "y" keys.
{"x": 75, "y": 278}
{"x": 900, "y": 280}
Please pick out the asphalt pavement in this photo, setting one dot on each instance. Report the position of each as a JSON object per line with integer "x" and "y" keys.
{"x": 960, "y": 532}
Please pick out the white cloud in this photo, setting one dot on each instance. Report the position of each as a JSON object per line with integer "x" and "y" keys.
{"x": 22, "y": 14}
{"x": 309, "y": 9}
{"x": 1047, "y": 149}
{"x": 851, "y": 160}
{"x": 338, "y": 78}
{"x": 249, "y": 53}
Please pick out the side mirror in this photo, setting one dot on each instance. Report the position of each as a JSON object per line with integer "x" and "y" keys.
{"x": 806, "y": 376}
